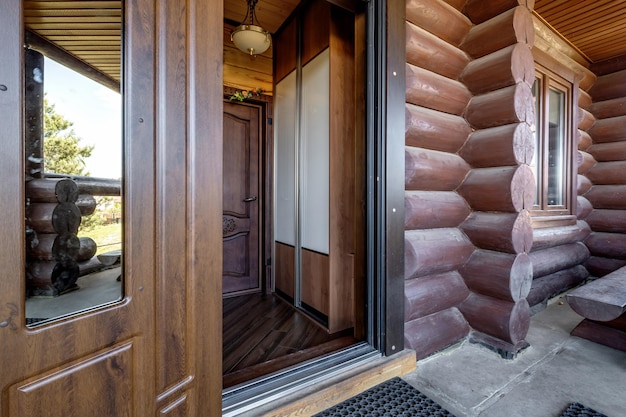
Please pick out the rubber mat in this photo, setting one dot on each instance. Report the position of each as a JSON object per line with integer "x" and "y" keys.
{"x": 579, "y": 410}
{"x": 393, "y": 398}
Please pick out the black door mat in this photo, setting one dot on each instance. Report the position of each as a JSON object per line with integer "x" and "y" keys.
{"x": 579, "y": 410}
{"x": 393, "y": 398}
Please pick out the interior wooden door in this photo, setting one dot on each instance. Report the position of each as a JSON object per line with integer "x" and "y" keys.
{"x": 157, "y": 351}
{"x": 241, "y": 199}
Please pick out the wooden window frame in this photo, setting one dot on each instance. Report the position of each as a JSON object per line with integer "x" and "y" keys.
{"x": 542, "y": 211}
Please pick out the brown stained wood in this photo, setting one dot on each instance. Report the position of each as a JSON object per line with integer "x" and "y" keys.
{"x": 431, "y": 129}
{"x": 435, "y": 251}
{"x": 285, "y": 46}
{"x": 608, "y": 245}
{"x": 584, "y": 99}
{"x": 551, "y": 285}
{"x": 501, "y": 232}
{"x": 599, "y": 266}
{"x": 499, "y": 275}
{"x": 612, "y": 221}
{"x": 584, "y": 141}
{"x": 502, "y": 68}
{"x": 608, "y": 87}
{"x": 607, "y": 196}
{"x": 315, "y": 280}
{"x": 505, "y": 320}
{"x": 433, "y": 209}
{"x": 430, "y": 294}
{"x": 612, "y": 129}
{"x": 504, "y": 106}
{"x": 508, "y": 145}
{"x": 51, "y": 278}
{"x": 457, "y": 4}
{"x": 87, "y": 249}
{"x": 87, "y": 204}
{"x": 585, "y": 162}
{"x": 262, "y": 332}
{"x": 433, "y": 333}
{"x": 52, "y": 190}
{"x": 583, "y": 207}
{"x": 427, "y": 89}
{"x": 600, "y": 332}
{"x": 284, "y": 261}
{"x": 342, "y": 193}
{"x": 315, "y": 29}
{"x": 557, "y": 258}
{"x": 548, "y": 237}
{"x": 438, "y": 18}
{"x": 585, "y": 120}
{"x": 603, "y": 299}
{"x": 609, "y": 108}
{"x": 611, "y": 65}
{"x": 583, "y": 184}
{"x": 54, "y": 218}
{"x": 433, "y": 170}
{"x": 480, "y": 10}
{"x": 606, "y": 173}
{"x": 430, "y": 52}
{"x": 54, "y": 247}
{"x": 507, "y": 189}
{"x": 611, "y": 151}
{"x": 503, "y": 30}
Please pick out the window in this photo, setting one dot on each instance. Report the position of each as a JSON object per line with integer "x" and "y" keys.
{"x": 553, "y": 133}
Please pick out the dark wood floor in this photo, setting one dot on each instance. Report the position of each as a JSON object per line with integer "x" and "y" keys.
{"x": 263, "y": 334}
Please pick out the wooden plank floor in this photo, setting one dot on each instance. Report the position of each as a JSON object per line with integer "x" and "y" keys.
{"x": 263, "y": 334}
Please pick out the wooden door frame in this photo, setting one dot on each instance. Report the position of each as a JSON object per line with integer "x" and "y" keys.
{"x": 266, "y": 184}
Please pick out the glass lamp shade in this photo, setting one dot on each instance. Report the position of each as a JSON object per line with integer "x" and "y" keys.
{"x": 251, "y": 39}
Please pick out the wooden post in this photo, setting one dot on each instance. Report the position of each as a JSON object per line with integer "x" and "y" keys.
{"x": 500, "y": 107}
{"x": 508, "y": 145}
{"x": 501, "y": 232}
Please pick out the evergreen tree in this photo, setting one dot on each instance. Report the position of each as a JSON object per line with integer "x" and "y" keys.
{"x": 63, "y": 153}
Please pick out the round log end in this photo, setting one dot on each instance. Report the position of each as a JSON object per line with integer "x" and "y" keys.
{"x": 521, "y": 276}
{"x": 519, "y": 321}
{"x": 523, "y": 144}
{"x": 66, "y": 218}
{"x": 65, "y": 247}
{"x": 523, "y": 188}
{"x": 522, "y": 233}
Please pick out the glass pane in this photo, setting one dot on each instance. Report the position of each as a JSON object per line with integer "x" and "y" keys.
{"x": 73, "y": 178}
{"x": 535, "y": 127}
{"x": 556, "y": 148}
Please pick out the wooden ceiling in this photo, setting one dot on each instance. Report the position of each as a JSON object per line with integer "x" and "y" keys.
{"x": 596, "y": 28}
{"x": 91, "y": 30}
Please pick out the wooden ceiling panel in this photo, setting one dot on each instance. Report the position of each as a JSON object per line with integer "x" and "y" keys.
{"x": 596, "y": 28}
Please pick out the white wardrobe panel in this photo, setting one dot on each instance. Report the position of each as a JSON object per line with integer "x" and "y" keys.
{"x": 284, "y": 159}
{"x": 315, "y": 153}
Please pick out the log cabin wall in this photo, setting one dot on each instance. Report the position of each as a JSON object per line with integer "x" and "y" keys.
{"x": 558, "y": 252}
{"x": 468, "y": 184}
{"x": 607, "y": 182}
{"x": 435, "y": 247}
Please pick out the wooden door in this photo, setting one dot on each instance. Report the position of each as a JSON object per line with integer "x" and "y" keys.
{"x": 241, "y": 199}
{"x": 157, "y": 351}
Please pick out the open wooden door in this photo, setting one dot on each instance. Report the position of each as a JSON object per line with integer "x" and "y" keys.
{"x": 157, "y": 351}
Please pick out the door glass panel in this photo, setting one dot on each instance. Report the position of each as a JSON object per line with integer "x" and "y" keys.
{"x": 73, "y": 159}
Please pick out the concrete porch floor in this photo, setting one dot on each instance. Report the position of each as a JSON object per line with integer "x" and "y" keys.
{"x": 556, "y": 370}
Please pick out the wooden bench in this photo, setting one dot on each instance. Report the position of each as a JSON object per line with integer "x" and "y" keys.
{"x": 603, "y": 305}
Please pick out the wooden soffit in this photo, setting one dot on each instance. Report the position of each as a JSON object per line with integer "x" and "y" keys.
{"x": 595, "y": 28}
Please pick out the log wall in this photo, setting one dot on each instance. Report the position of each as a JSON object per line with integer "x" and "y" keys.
{"x": 435, "y": 247}
{"x": 607, "y": 240}
{"x": 499, "y": 188}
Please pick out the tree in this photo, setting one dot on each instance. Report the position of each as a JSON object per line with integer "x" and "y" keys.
{"x": 63, "y": 153}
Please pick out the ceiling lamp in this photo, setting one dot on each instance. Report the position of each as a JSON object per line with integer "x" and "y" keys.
{"x": 248, "y": 37}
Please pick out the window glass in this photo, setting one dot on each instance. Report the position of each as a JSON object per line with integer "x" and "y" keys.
{"x": 556, "y": 148}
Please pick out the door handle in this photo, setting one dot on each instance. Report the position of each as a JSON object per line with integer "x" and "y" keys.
{"x": 249, "y": 199}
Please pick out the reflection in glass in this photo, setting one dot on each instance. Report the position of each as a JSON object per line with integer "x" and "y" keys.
{"x": 73, "y": 171}
{"x": 537, "y": 135}
{"x": 556, "y": 148}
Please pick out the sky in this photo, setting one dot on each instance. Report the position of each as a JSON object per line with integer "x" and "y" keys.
{"x": 96, "y": 112}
